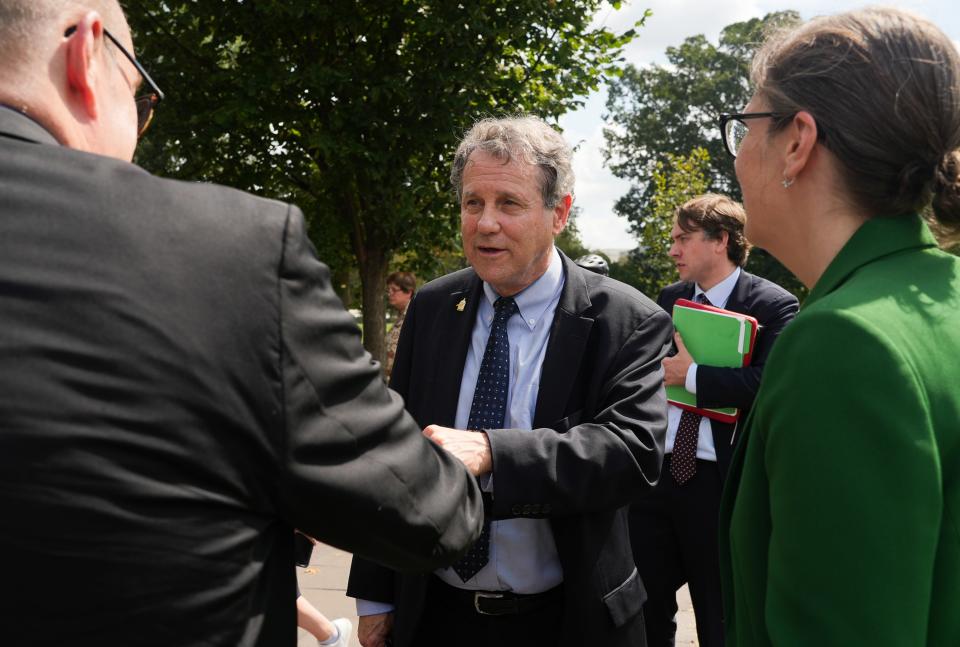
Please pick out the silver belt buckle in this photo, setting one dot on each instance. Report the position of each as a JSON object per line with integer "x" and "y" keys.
{"x": 484, "y": 594}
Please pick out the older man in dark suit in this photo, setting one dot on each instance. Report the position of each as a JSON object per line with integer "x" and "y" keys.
{"x": 545, "y": 379}
{"x": 179, "y": 385}
{"x": 674, "y": 527}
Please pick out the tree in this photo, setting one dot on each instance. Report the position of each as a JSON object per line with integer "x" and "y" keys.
{"x": 658, "y": 111}
{"x": 352, "y": 109}
{"x": 675, "y": 180}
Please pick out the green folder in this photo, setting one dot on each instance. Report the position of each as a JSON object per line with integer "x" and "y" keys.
{"x": 713, "y": 337}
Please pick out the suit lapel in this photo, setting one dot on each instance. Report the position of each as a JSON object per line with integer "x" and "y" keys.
{"x": 740, "y": 295}
{"x": 569, "y": 333}
{"x": 684, "y": 291}
{"x": 689, "y": 289}
{"x": 452, "y": 336}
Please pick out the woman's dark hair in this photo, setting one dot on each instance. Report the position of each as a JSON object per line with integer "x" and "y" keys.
{"x": 883, "y": 86}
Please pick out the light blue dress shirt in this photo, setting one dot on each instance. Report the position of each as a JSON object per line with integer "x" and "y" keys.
{"x": 523, "y": 555}
{"x": 718, "y": 296}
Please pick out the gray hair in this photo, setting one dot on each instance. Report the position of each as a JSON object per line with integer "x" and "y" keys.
{"x": 524, "y": 138}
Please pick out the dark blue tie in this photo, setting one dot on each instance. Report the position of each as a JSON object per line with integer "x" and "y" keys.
{"x": 488, "y": 411}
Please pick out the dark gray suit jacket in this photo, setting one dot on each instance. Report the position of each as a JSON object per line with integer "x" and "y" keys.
{"x": 597, "y": 442}
{"x": 773, "y": 308}
{"x": 179, "y": 389}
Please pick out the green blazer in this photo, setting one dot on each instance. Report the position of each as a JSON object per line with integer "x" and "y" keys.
{"x": 840, "y": 523}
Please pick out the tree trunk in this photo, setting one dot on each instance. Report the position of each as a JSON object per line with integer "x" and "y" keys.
{"x": 341, "y": 285}
{"x": 373, "y": 281}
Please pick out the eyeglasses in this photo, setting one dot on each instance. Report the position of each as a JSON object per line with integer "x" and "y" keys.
{"x": 146, "y": 103}
{"x": 733, "y": 128}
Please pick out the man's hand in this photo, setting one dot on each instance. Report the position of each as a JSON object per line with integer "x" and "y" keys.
{"x": 675, "y": 368}
{"x": 373, "y": 631}
{"x": 471, "y": 447}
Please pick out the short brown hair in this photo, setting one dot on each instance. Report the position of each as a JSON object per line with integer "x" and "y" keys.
{"x": 883, "y": 86}
{"x": 406, "y": 281}
{"x": 714, "y": 214}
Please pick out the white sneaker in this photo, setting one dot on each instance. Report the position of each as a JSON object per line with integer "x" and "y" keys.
{"x": 345, "y": 627}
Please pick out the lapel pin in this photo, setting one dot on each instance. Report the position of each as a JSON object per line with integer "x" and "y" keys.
{"x": 461, "y": 305}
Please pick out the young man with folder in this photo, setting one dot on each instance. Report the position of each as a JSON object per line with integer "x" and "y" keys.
{"x": 673, "y": 528}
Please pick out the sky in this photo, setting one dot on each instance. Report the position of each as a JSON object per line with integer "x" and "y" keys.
{"x": 671, "y": 22}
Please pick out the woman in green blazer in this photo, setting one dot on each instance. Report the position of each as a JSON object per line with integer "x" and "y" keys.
{"x": 841, "y": 517}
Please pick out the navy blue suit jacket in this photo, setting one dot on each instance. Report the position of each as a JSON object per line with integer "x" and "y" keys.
{"x": 773, "y": 308}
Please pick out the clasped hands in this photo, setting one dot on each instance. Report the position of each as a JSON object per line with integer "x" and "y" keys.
{"x": 472, "y": 448}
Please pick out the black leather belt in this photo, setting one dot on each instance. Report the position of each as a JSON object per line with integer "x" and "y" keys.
{"x": 504, "y": 603}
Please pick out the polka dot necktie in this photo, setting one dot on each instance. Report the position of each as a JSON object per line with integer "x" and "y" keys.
{"x": 683, "y": 464}
{"x": 488, "y": 411}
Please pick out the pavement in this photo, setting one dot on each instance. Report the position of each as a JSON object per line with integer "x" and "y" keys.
{"x": 324, "y": 583}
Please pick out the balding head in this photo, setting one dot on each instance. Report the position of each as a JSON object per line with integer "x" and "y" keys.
{"x": 28, "y": 28}
{"x": 77, "y": 86}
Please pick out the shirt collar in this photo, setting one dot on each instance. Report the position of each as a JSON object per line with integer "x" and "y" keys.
{"x": 719, "y": 294}
{"x": 876, "y": 238}
{"x": 533, "y": 301}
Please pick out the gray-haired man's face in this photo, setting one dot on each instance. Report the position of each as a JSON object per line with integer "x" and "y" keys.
{"x": 507, "y": 230}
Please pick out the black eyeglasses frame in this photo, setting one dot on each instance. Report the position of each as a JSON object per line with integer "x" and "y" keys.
{"x": 741, "y": 117}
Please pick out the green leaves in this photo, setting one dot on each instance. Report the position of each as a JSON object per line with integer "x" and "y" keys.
{"x": 675, "y": 180}
{"x": 664, "y": 138}
{"x": 353, "y": 109}
{"x": 656, "y": 110}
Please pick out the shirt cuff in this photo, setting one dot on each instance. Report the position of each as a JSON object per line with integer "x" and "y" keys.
{"x": 370, "y": 608}
{"x": 691, "y": 383}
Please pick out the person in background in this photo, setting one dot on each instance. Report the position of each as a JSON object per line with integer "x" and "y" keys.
{"x": 335, "y": 633}
{"x": 545, "y": 379}
{"x": 180, "y": 387}
{"x": 400, "y": 289}
{"x": 328, "y": 633}
{"x": 840, "y": 517}
{"x": 673, "y": 528}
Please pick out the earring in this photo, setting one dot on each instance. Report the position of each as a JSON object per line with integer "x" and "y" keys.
{"x": 787, "y": 183}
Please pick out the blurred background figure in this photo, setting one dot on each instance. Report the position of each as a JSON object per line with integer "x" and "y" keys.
{"x": 594, "y": 263}
{"x": 400, "y": 289}
{"x": 335, "y": 633}
{"x": 839, "y": 518}
{"x": 328, "y": 633}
